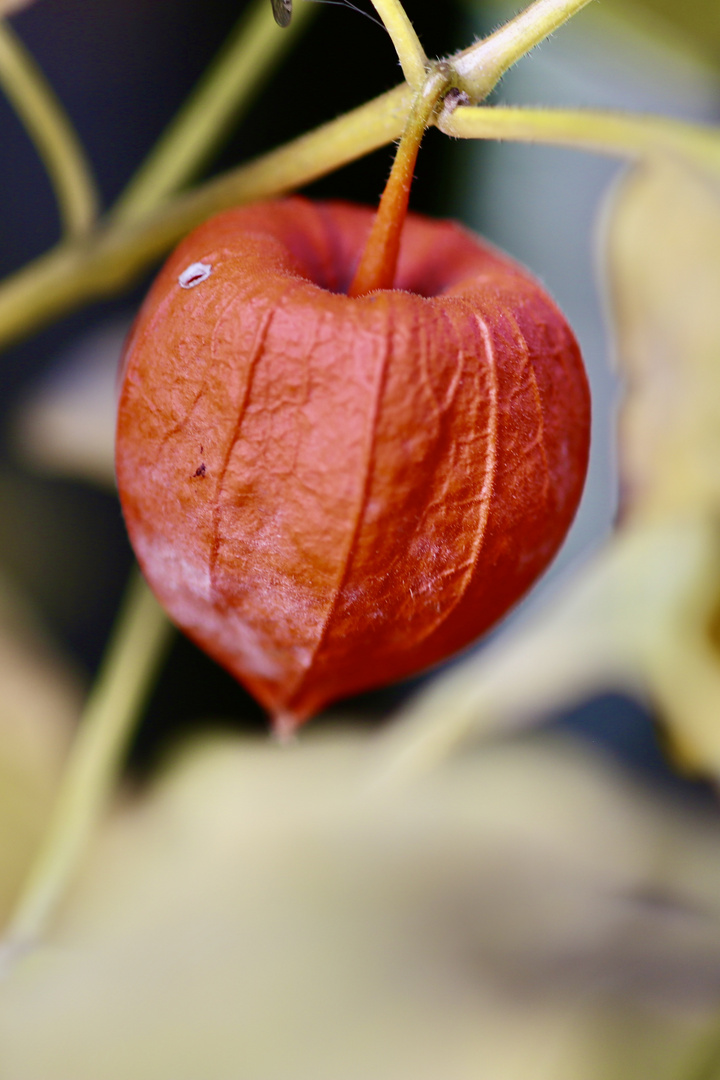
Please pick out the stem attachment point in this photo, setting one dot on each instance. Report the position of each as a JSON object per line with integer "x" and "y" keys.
{"x": 378, "y": 263}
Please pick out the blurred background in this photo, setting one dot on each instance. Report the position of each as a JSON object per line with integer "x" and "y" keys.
{"x": 121, "y": 68}
{"x": 542, "y": 906}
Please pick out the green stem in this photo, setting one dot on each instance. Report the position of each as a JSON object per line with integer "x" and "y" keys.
{"x": 617, "y": 134}
{"x": 411, "y": 54}
{"x": 246, "y": 61}
{"x": 482, "y": 65}
{"x": 74, "y": 274}
{"x": 51, "y": 131}
{"x": 135, "y": 651}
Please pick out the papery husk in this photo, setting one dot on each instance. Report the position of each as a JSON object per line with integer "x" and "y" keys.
{"x": 327, "y": 493}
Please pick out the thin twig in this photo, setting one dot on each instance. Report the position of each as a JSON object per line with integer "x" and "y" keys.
{"x": 51, "y": 131}
{"x": 229, "y": 86}
{"x": 75, "y": 274}
{"x": 136, "y": 649}
{"x": 411, "y": 54}
{"x": 614, "y": 133}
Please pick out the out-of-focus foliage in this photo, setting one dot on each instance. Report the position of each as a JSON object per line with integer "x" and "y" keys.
{"x": 664, "y": 267}
{"x": 664, "y": 262}
{"x": 39, "y": 702}
{"x": 278, "y": 913}
{"x": 696, "y": 22}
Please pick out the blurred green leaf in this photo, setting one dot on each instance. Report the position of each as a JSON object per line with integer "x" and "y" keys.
{"x": 522, "y": 914}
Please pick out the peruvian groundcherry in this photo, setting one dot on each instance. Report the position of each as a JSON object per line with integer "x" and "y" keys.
{"x": 329, "y": 492}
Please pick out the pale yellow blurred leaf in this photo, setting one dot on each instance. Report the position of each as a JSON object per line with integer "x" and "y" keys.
{"x": 269, "y": 913}
{"x": 664, "y": 268}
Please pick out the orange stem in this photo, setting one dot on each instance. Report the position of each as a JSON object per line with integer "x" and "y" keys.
{"x": 378, "y": 263}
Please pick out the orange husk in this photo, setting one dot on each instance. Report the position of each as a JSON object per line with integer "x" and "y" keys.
{"x": 330, "y": 493}
{"x": 378, "y": 263}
